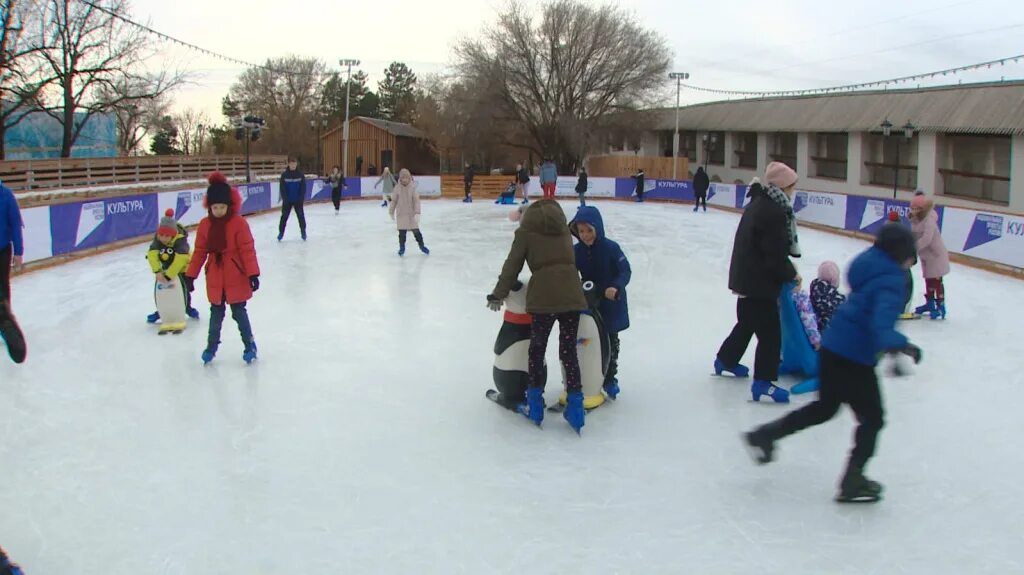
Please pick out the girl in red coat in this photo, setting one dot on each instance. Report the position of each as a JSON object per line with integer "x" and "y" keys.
{"x": 232, "y": 272}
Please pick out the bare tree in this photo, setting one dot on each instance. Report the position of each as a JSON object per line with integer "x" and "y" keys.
{"x": 566, "y": 73}
{"x": 89, "y": 46}
{"x": 191, "y": 123}
{"x": 136, "y": 111}
{"x": 287, "y": 94}
{"x": 21, "y": 73}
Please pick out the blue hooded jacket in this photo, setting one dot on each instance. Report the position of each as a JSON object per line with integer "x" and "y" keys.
{"x": 604, "y": 264}
{"x": 865, "y": 326}
{"x": 10, "y": 222}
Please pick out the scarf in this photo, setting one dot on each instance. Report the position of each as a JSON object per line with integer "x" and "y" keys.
{"x": 217, "y": 240}
{"x": 779, "y": 197}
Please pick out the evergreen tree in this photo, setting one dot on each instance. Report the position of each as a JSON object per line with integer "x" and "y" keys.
{"x": 397, "y": 93}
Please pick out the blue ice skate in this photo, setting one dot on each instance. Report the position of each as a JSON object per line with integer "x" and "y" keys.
{"x": 153, "y": 317}
{"x": 739, "y": 370}
{"x": 249, "y": 355}
{"x": 574, "y": 412}
{"x": 761, "y": 387}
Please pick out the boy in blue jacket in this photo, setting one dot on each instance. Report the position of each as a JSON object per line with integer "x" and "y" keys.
{"x": 293, "y": 196}
{"x": 601, "y": 261}
{"x": 862, "y": 329}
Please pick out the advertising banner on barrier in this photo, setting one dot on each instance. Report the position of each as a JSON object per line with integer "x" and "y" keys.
{"x": 867, "y": 215}
{"x": 187, "y": 205}
{"x": 84, "y": 225}
{"x": 36, "y": 233}
{"x": 820, "y": 208}
{"x": 565, "y": 187}
{"x": 722, "y": 195}
{"x": 255, "y": 197}
{"x": 371, "y": 186}
{"x": 996, "y": 237}
{"x": 428, "y": 186}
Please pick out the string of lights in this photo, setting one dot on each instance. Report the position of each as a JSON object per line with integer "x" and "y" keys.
{"x": 189, "y": 45}
{"x": 861, "y": 86}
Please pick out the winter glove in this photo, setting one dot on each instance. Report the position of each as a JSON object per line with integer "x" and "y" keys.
{"x": 494, "y": 303}
{"x": 189, "y": 283}
{"x": 254, "y": 282}
{"x": 913, "y": 352}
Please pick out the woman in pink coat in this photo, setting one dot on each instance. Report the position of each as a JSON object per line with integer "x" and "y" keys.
{"x": 931, "y": 252}
{"x": 405, "y": 210}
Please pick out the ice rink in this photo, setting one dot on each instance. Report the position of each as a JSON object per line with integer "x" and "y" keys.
{"x": 360, "y": 442}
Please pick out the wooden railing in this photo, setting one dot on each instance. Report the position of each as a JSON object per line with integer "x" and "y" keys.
{"x": 626, "y": 165}
{"x": 452, "y": 187}
{"x": 32, "y": 175}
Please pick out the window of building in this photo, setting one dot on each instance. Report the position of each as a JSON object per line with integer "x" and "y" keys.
{"x": 829, "y": 152}
{"x": 881, "y": 167}
{"x": 782, "y": 148}
{"x": 976, "y": 167}
{"x": 744, "y": 150}
{"x": 715, "y": 148}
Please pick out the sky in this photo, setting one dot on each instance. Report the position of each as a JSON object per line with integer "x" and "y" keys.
{"x": 729, "y": 44}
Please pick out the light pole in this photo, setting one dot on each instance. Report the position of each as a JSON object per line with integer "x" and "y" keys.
{"x": 344, "y": 130}
{"x": 709, "y": 145}
{"x": 317, "y": 125}
{"x": 678, "y": 77}
{"x": 908, "y": 133}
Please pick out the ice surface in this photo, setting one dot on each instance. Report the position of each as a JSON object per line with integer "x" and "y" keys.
{"x": 361, "y": 442}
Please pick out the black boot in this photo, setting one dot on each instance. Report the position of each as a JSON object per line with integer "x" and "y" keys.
{"x": 856, "y": 488}
{"x": 760, "y": 443}
{"x": 11, "y": 332}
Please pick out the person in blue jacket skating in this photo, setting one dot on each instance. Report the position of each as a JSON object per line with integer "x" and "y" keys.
{"x": 602, "y": 261}
{"x": 12, "y": 249}
{"x": 861, "y": 331}
{"x": 293, "y": 196}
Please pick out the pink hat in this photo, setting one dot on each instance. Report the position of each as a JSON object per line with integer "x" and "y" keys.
{"x": 894, "y": 216}
{"x": 919, "y": 202}
{"x": 829, "y": 271}
{"x": 780, "y": 175}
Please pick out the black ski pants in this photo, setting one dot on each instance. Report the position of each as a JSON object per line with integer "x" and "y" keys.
{"x": 842, "y": 381}
{"x": 760, "y": 317}
{"x": 286, "y": 212}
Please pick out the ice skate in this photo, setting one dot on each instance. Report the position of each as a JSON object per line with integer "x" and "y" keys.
{"x": 855, "y": 488}
{"x": 761, "y": 387}
{"x": 739, "y": 370}
{"x": 759, "y": 446}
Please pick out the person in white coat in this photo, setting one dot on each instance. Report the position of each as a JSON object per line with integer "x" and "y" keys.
{"x": 405, "y": 210}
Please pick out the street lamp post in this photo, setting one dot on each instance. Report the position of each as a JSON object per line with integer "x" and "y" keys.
{"x": 908, "y": 133}
{"x": 344, "y": 130}
{"x": 678, "y": 77}
{"x": 710, "y": 142}
{"x": 317, "y": 125}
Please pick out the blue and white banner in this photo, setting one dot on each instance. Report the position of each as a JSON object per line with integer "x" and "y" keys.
{"x": 985, "y": 235}
{"x": 722, "y": 195}
{"x": 85, "y": 225}
{"x": 820, "y": 208}
{"x": 36, "y": 233}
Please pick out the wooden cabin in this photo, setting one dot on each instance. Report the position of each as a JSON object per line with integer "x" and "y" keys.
{"x": 379, "y": 143}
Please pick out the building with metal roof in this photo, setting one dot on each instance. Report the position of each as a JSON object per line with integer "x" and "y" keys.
{"x": 966, "y": 144}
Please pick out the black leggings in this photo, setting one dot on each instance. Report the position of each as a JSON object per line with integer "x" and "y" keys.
{"x": 336, "y": 197}
{"x": 5, "y": 274}
{"x": 568, "y": 328}
{"x": 415, "y": 233}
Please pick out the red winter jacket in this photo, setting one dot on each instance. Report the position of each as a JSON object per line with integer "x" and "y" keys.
{"x": 227, "y": 273}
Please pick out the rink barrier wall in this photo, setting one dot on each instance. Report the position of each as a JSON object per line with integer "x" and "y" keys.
{"x": 981, "y": 238}
{"x": 53, "y": 233}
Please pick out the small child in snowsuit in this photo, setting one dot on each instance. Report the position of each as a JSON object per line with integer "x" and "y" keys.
{"x": 168, "y": 257}
{"x": 601, "y": 261}
{"x": 924, "y": 223}
{"x": 542, "y": 241}
{"x": 405, "y": 210}
{"x": 224, "y": 244}
{"x": 825, "y": 296}
{"x": 862, "y": 329}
